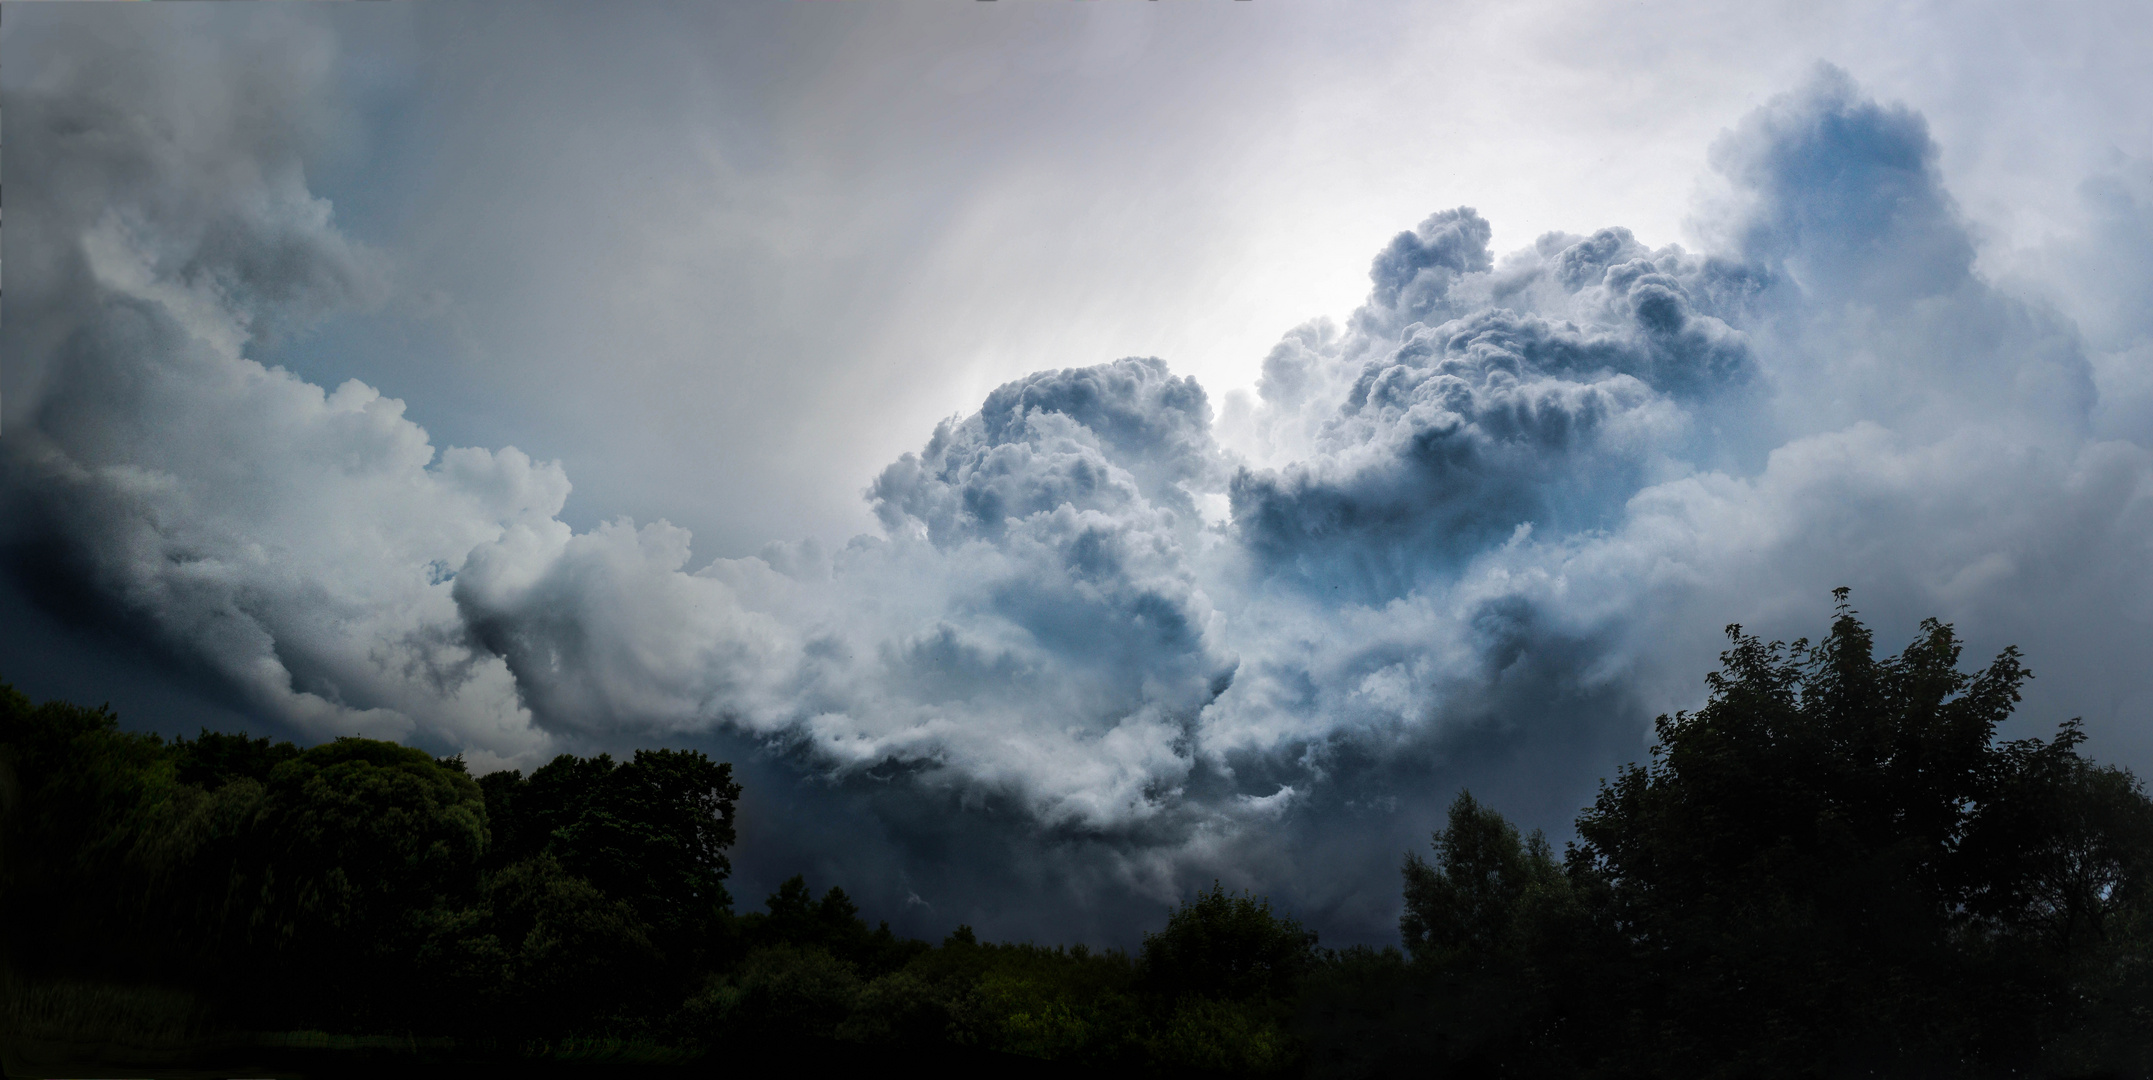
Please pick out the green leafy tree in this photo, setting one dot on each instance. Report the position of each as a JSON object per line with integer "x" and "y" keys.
{"x": 1366, "y": 1012}
{"x": 2061, "y": 851}
{"x": 1484, "y": 923}
{"x": 1224, "y": 946}
{"x": 792, "y": 916}
{"x": 526, "y": 813}
{"x": 509, "y": 827}
{"x": 1467, "y": 910}
{"x": 1227, "y": 1038}
{"x": 1834, "y": 865}
{"x": 216, "y": 758}
{"x": 653, "y": 832}
{"x": 359, "y": 843}
{"x": 780, "y": 995}
{"x": 359, "y": 831}
{"x": 548, "y": 953}
{"x": 87, "y": 837}
{"x": 650, "y": 834}
{"x": 899, "y": 1011}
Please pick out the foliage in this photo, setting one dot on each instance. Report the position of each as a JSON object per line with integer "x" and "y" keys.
{"x": 75, "y": 1013}
{"x": 898, "y": 1011}
{"x": 87, "y": 834}
{"x": 1490, "y": 926}
{"x": 357, "y": 834}
{"x": 544, "y": 951}
{"x": 1367, "y": 1012}
{"x": 1469, "y": 909}
{"x": 216, "y": 758}
{"x": 1835, "y": 861}
{"x": 1233, "y": 1038}
{"x": 781, "y": 994}
{"x": 832, "y": 924}
{"x": 653, "y": 831}
{"x": 1222, "y": 946}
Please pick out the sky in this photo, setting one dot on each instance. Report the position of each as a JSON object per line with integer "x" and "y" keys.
{"x": 1066, "y": 453}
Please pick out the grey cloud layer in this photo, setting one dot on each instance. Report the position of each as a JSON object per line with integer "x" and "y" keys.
{"x": 1501, "y": 507}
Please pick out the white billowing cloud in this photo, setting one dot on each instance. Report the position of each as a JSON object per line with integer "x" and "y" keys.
{"x": 1031, "y": 623}
{"x": 295, "y": 543}
{"x": 2101, "y": 281}
{"x": 1588, "y": 440}
{"x": 298, "y": 543}
{"x": 1563, "y": 467}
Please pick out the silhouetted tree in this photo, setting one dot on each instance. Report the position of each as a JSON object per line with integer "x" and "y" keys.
{"x": 216, "y": 758}
{"x": 1490, "y": 925}
{"x": 1225, "y": 946}
{"x": 1466, "y": 910}
{"x": 1834, "y": 865}
{"x": 359, "y": 842}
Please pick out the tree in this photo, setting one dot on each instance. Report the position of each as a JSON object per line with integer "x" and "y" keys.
{"x": 360, "y": 842}
{"x": 529, "y": 812}
{"x": 360, "y": 830}
{"x": 653, "y": 832}
{"x": 87, "y": 834}
{"x": 650, "y": 835}
{"x": 1219, "y": 945}
{"x": 216, "y": 758}
{"x": 1484, "y": 923}
{"x": 547, "y": 952}
{"x": 1466, "y": 909}
{"x": 2061, "y": 851}
{"x": 1833, "y": 864}
{"x": 793, "y": 917}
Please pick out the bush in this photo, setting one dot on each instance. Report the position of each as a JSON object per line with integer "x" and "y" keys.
{"x": 1233, "y": 1038}
{"x": 779, "y": 995}
{"x": 898, "y": 1011}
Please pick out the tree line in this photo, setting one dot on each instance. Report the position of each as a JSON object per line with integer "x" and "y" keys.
{"x": 1834, "y": 867}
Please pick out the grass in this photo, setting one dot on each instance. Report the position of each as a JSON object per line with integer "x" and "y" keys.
{"x": 92, "y": 1014}
{"x": 85, "y": 1028}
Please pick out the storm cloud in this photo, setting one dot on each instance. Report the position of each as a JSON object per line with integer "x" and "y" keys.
{"x": 1482, "y": 529}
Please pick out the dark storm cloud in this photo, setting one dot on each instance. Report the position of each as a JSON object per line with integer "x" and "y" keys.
{"x": 1091, "y": 656}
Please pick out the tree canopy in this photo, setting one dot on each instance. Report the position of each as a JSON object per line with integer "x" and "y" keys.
{"x": 1833, "y": 864}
